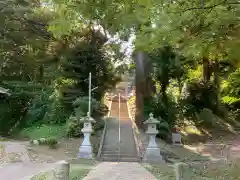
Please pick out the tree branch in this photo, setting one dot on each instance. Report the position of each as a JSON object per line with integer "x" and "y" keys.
{"x": 207, "y": 7}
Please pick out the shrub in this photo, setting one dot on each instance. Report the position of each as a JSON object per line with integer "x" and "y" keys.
{"x": 97, "y": 109}
{"x": 164, "y": 130}
{"x": 13, "y": 110}
{"x": 50, "y": 142}
{"x": 206, "y": 117}
{"x": 100, "y": 110}
{"x": 74, "y": 123}
{"x": 167, "y": 110}
{"x": 74, "y": 127}
{"x": 201, "y": 95}
{"x": 99, "y": 125}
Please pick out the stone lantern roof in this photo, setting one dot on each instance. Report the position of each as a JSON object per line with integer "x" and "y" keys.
{"x": 151, "y": 120}
{"x": 88, "y": 118}
{"x": 4, "y": 91}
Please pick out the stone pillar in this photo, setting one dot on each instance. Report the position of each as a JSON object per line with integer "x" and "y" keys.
{"x": 62, "y": 172}
{"x": 152, "y": 153}
{"x": 85, "y": 150}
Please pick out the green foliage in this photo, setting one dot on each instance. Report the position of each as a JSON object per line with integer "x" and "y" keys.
{"x": 201, "y": 95}
{"x": 164, "y": 130}
{"x": 34, "y": 65}
{"x": 47, "y": 52}
{"x": 206, "y": 117}
{"x": 80, "y": 170}
{"x": 75, "y": 123}
{"x": 99, "y": 125}
{"x": 13, "y": 110}
{"x": 165, "y": 110}
{"x": 231, "y": 89}
{"x": 51, "y": 142}
{"x": 230, "y": 100}
{"x": 97, "y": 109}
{"x": 81, "y": 105}
{"x": 86, "y": 55}
{"x": 74, "y": 127}
{"x": 37, "y": 108}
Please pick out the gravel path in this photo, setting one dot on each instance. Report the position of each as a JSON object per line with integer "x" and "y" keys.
{"x": 119, "y": 171}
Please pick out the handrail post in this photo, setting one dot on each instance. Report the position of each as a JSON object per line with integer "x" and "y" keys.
{"x": 119, "y": 126}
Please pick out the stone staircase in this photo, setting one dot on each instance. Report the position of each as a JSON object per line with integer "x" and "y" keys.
{"x": 113, "y": 150}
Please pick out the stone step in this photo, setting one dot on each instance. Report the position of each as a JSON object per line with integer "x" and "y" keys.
{"x": 125, "y": 151}
{"x": 116, "y": 154}
{"x": 110, "y": 149}
{"x": 109, "y": 152}
{"x": 121, "y": 159}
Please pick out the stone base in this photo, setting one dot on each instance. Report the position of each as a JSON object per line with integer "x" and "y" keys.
{"x": 177, "y": 144}
{"x": 152, "y": 155}
{"x": 85, "y": 152}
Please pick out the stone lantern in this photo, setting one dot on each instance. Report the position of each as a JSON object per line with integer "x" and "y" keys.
{"x": 152, "y": 153}
{"x": 85, "y": 150}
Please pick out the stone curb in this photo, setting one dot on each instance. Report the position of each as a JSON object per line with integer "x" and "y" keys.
{"x": 104, "y": 133}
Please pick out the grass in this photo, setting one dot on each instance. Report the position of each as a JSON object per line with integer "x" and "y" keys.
{"x": 199, "y": 171}
{"x": 78, "y": 170}
{"x": 218, "y": 171}
{"x": 44, "y": 131}
{"x": 161, "y": 172}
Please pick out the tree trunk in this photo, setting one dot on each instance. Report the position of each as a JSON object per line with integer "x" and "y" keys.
{"x": 149, "y": 84}
{"x": 216, "y": 80}
{"x": 140, "y": 88}
{"x": 163, "y": 92}
{"x": 206, "y": 69}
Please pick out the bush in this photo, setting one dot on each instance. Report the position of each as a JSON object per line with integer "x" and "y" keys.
{"x": 97, "y": 109}
{"x": 166, "y": 110}
{"x": 164, "y": 130}
{"x": 206, "y": 117}
{"x": 50, "y": 142}
{"x": 38, "y": 108}
{"x": 13, "y": 110}
{"x": 201, "y": 95}
{"x": 100, "y": 110}
{"x": 99, "y": 125}
{"x": 74, "y": 123}
{"x": 74, "y": 127}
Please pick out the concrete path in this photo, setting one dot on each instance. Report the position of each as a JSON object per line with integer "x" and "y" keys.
{"x": 17, "y": 163}
{"x": 119, "y": 171}
{"x": 17, "y": 171}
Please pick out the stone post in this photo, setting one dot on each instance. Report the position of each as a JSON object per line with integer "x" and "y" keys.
{"x": 85, "y": 150}
{"x": 152, "y": 153}
{"x": 62, "y": 172}
{"x": 183, "y": 171}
